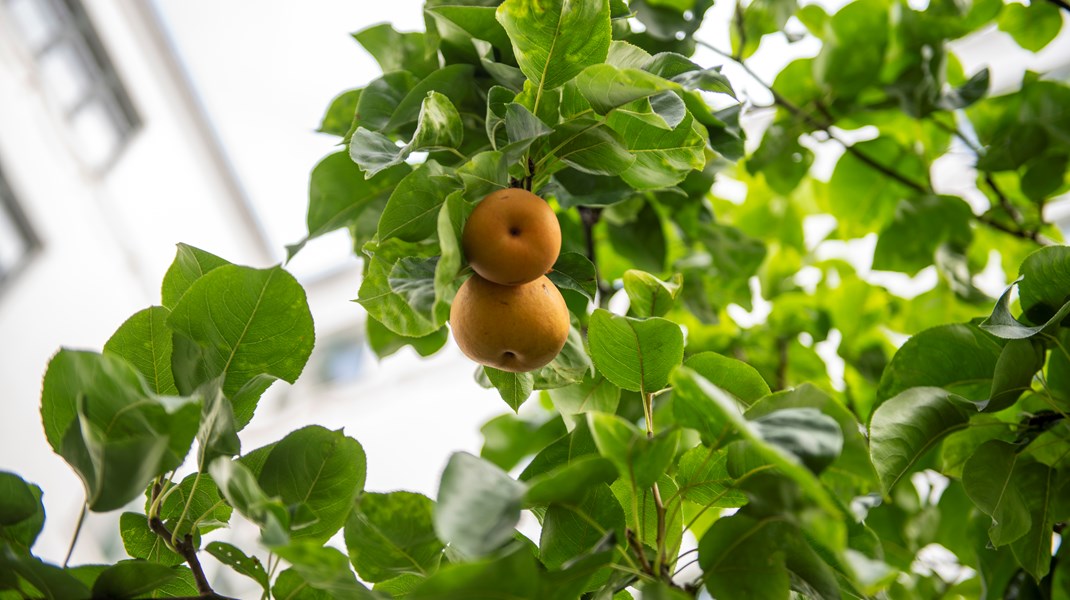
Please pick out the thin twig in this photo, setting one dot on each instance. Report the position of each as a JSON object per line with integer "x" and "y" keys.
{"x": 1061, "y": 4}
{"x": 77, "y": 532}
{"x": 876, "y": 165}
{"x": 184, "y": 547}
{"x": 637, "y": 547}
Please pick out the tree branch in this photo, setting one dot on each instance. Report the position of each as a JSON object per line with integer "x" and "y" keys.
{"x": 589, "y": 216}
{"x": 926, "y": 188}
{"x": 184, "y": 547}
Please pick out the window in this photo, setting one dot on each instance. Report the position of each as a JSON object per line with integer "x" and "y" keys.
{"x": 78, "y": 75}
{"x": 17, "y": 241}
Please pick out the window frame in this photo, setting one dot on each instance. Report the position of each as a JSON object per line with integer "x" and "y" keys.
{"x": 74, "y": 28}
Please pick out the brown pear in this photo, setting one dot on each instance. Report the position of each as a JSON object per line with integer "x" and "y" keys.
{"x": 514, "y": 328}
{"x": 512, "y": 237}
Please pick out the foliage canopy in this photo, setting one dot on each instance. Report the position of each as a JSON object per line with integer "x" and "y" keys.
{"x": 682, "y": 445}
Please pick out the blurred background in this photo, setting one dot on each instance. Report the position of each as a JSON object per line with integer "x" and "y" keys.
{"x": 129, "y": 126}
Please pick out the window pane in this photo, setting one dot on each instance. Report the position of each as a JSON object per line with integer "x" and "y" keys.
{"x": 37, "y": 21}
{"x": 65, "y": 74}
{"x": 96, "y": 133}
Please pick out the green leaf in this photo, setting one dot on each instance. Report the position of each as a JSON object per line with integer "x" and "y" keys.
{"x": 477, "y": 21}
{"x": 198, "y": 498}
{"x": 959, "y": 358}
{"x": 1018, "y": 363}
{"x": 380, "y": 98}
{"x": 383, "y": 303}
{"x": 413, "y": 279}
{"x": 570, "y": 365}
{"x": 99, "y": 414}
{"x": 594, "y": 393}
{"x": 862, "y": 199}
{"x": 987, "y": 479}
{"x": 190, "y": 264}
{"x": 439, "y": 127}
{"x": 639, "y": 459}
{"x": 388, "y": 535}
{"x": 553, "y": 41}
{"x": 772, "y": 552}
{"x": 966, "y": 94}
{"x": 17, "y": 500}
{"x": 735, "y": 257}
{"x": 478, "y": 506}
{"x": 19, "y": 536}
{"x": 570, "y": 529}
{"x": 702, "y": 475}
{"x": 396, "y": 51}
{"x": 639, "y": 239}
{"x": 522, "y": 128}
{"x": 384, "y": 342}
{"x": 607, "y": 87}
{"x": 508, "y": 439}
{"x": 237, "y": 484}
{"x": 46, "y": 581}
{"x": 640, "y": 509}
{"x": 324, "y": 568}
{"x": 664, "y": 22}
{"x": 131, "y": 579}
{"x": 142, "y": 542}
{"x": 451, "y": 219}
{"x": 586, "y": 145}
{"x": 1034, "y": 26}
{"x": 663, "y": 157}
{"x": 513, "y": 574}
{"x": 574, "y": 271}
{"x": 339, "y": 193}
{"x": 650, "y": 296}
{"x": 266, "y": 329}
{"x": 1045, "y": 285}
{"x": 323, "y": 469}
{"x": 514, "y": 388}
{"x": 569, "y": 483}
{"x": 292, "y": 586}
{"x": 700, "y": 405}
{"x": 144, "y": 341}
{"x": 854, "y": 45}
{"x": 452, "y": 81}
{"x": 920, "y": 226}
{"x": 1037, "y": 484}
{"x": 814, "y": 438}
{"x": 852, "y": 472}
{"x": 217, "y": 435}
{"x": 483, "y": 174}
{"x": 635, "y": 354}
{"x": 341, "y": 113}
{"x": 781, "y": 159}
{"x": 411, "y": 213}
{"x": 233, "y": 557}
{"x": 734, "y": 376}
{"x": 905, "y": 427}
{"x": 759, "y": 18}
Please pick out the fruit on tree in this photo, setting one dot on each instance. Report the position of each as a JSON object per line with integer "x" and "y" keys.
{"x": 514, "y": 328}
{"x": 512, "y": 237}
